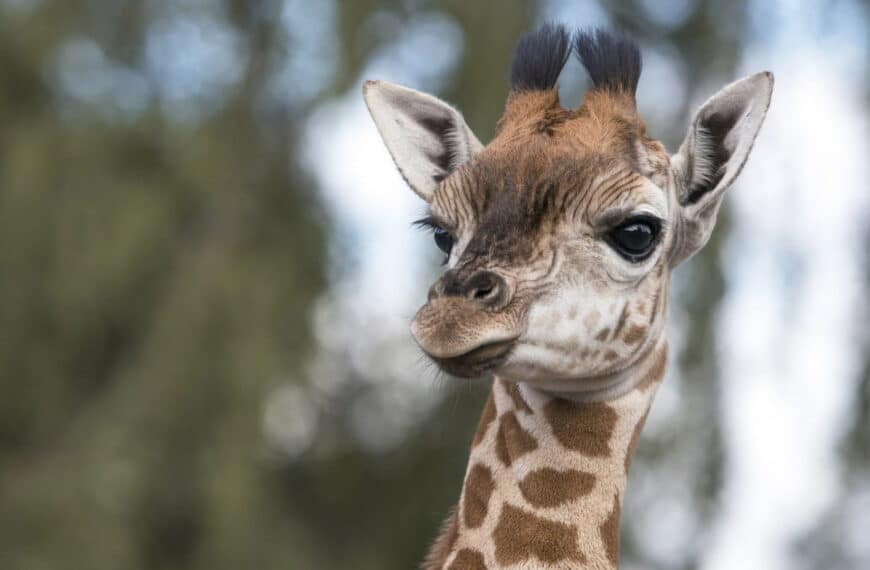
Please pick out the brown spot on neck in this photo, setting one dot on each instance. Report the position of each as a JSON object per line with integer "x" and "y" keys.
{"x": 512, "y": 441}
{"x": 468, "y": 559}
{"x": 513, "y": 390}
{"x": 521, "y": 536}
{"x": 635, "y": 436}
{"x": 582, "y": 426}
{"x": 609, "y": 531}
{"x": 653, "y": 376}
{"x": 656, "y": 371}
{"x": 485, "y": 419}
{"x": 478, "y": 489}
{"x": 548, "y": 487}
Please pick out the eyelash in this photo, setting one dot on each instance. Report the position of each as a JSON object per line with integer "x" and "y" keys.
{"x": 443, "y": 237}
{"x": 427, "y": 223}
{"x": 640, "y": 217}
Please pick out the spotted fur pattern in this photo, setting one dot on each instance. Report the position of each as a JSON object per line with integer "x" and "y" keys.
{"x": 545, "y": 479}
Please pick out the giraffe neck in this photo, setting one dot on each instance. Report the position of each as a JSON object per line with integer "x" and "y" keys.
{"x": 546, "y": 477}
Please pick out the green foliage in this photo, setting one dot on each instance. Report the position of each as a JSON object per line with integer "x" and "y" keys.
{"x": 155, "y": 282}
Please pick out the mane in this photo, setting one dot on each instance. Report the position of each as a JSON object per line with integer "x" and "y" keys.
{"x": 612, "y": 60}
{"x": 539, "y": 58}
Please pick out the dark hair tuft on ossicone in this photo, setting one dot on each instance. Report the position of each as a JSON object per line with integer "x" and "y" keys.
{"x": 539, "y": 58}
{"x": 612, "y": 60}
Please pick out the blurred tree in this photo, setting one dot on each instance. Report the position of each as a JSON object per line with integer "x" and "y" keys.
{"x": 837, "y": 540}
{"x": 155, "y": 279}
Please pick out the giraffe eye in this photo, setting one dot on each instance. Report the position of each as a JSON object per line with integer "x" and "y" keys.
{"x": 443, "y": 240}
{"x": 636, "y": 238}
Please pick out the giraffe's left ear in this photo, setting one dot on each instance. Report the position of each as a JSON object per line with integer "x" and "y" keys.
{"x": 427, "y": 138}
{"x": 712, "y": 155}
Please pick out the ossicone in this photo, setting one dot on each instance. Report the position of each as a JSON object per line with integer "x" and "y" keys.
{"x": 611, "y": 59}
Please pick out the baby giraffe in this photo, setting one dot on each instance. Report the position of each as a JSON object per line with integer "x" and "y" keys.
{"x": 560, "y": 237}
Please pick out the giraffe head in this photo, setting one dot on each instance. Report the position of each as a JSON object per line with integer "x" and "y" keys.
{"x": 561, "y": 233}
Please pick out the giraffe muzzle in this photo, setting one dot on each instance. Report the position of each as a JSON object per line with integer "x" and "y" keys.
{"x": 463, "y": 337}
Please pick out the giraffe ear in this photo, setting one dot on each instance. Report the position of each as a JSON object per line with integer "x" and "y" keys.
{"x": 427, "y": 138}
{"x": 712, "y": 155}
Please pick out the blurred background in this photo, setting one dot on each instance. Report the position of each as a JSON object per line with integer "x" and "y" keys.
{"x": 207, "y": 270}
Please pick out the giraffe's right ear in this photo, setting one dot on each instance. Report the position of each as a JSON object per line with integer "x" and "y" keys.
{"x": 427, "y": 138}
{"x": 712, "y": 155}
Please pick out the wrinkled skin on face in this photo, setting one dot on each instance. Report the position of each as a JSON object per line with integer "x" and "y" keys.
{"x": 536, "y": 213}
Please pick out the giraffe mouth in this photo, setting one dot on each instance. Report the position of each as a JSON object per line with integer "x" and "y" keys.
{"x": 477, "y": 361}
{"x": 464, "y": 340}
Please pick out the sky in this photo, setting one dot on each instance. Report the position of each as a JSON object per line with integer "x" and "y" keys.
{"x": 787, "y": 324}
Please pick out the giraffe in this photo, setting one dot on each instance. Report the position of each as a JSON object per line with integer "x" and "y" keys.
{"x": 560, "y": 236}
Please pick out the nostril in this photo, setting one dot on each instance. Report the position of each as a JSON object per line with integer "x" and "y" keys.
{"x": 485, "y": 287}
{"x": 483, "y": 292}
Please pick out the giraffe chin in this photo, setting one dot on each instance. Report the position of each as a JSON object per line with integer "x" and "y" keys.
{"x": 478, "y": 361}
